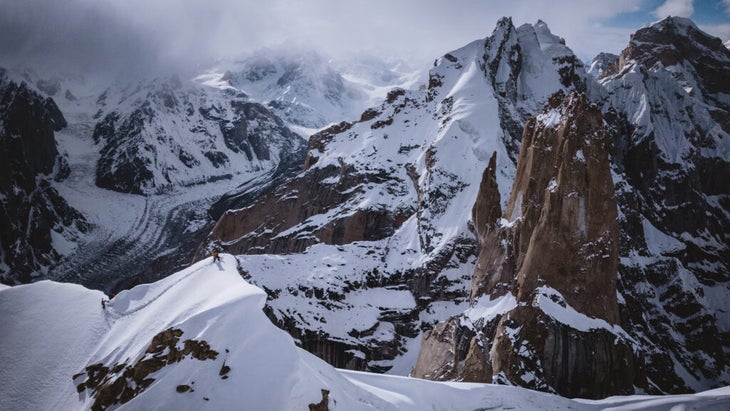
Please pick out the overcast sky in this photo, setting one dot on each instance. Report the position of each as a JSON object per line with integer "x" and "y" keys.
{"x": 137, "y": 34}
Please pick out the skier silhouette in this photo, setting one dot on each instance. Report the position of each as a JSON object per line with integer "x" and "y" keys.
{"x": 215, "y": 255}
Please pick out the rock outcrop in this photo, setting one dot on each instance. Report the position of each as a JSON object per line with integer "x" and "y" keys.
{"x": 31, "y": 210}
{"x": 487, "y": 208}
{"x": 550, "y": 266}
{"x": 119, "y": 383}
{"x": 260, "y": 228}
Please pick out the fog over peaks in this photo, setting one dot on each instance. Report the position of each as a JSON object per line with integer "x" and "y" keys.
{"x": 139, "y": 36}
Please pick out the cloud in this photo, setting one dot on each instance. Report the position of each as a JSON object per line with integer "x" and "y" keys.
{"x": 677, "y": 8}
{"x": 125, "y": 36}
{"x": 143, "y": 35}
{"x": 726, "y": 5}
{"x": 719, "y": 30}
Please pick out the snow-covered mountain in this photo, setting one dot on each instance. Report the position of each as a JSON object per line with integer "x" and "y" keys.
{"x": 169, "y": 133}
{"x": 182, "y": 143}
{"x": 665, "y": 109}
{"x": 603, "y": 64}
{"x": 668, "y": 105}
{"x": 376, "y": 237}
{"x": 383, "y": 211}
{"x": 179, "y": 143}
{"x": 199, "y": 340}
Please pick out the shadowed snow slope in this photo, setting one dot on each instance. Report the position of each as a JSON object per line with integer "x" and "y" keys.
{"x": 55, "y": 335}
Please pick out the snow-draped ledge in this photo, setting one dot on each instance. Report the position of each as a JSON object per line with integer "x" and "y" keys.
{"x": 552, "y": 303}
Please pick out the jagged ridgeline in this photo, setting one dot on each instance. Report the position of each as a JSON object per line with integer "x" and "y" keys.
{"x": 600, "y": 186}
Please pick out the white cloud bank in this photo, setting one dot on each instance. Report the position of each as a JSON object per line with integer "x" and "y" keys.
{"x": 140, "y": 34}
{"x": 677, "y": 8}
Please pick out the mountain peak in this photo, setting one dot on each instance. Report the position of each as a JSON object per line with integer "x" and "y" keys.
{"x": 504, "y": 24}
{"x": 546, "y": 38}
{"x": 604, "y": 64}
{"x": 674, "y": 21}
{"x": 674, "y": 41}
{"x": 672, "y": 29}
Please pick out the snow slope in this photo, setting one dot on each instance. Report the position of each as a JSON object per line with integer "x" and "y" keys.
{"x": 55, "y": 330}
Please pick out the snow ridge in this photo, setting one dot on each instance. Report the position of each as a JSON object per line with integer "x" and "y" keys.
{"x": 211, "y": 304}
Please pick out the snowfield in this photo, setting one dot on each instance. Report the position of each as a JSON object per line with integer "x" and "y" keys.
{"x": 53, "y": 331}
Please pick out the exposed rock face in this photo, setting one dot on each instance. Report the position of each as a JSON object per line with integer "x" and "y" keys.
{"x": 257, "y": 229}
{"x": 563, "y": 205}
{"x": 487, "y": 208}
{"x": 555, "y": 250}
{"x": 31, "y": 210}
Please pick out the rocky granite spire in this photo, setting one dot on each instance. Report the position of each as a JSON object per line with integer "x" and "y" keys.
{"x": 564, "y": 210}
{"x": 486, "y": 211}
{"x": 543, "y": 303}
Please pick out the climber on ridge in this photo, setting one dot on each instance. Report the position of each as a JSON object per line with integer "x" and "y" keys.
{"x": 215, "y": 255}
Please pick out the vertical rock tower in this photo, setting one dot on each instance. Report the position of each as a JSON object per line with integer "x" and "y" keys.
{"x": 544, "y": 311}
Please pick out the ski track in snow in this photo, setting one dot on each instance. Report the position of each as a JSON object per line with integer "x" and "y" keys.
{"x": 113, "y": 314}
